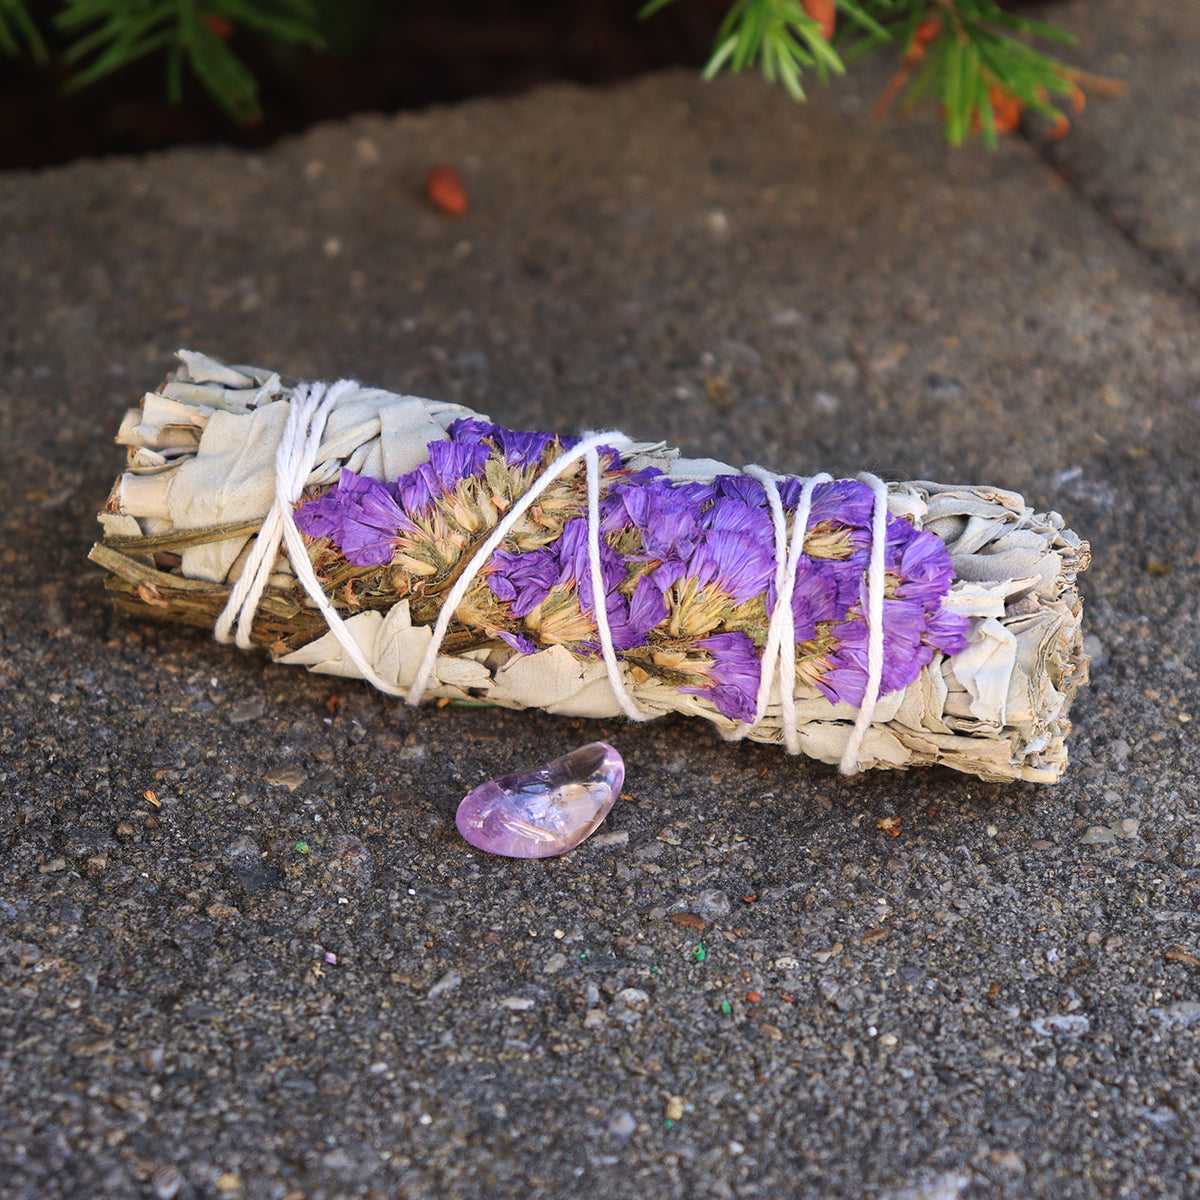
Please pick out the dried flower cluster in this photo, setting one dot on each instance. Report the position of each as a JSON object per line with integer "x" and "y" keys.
{"x": 688, "y": 568}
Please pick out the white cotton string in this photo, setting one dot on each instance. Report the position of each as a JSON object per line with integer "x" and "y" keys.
{"x": 769, "y": 479}
{"x": 778, "y": 663}
{"x": 615, "y": 678}
{"x": 303, "y": 567}
{"x": 767, "y": 672}
{"x": 585, "y": 449}
{"x": 874, "y": 615}
{"x": 787, "y": 662}
{"x": 294, "y": 458}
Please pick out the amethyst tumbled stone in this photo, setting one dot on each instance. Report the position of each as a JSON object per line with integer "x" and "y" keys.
{"x": 546, "y": 810}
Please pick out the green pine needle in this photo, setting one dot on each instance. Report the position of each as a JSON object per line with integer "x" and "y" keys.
{"x": 112, "y": 34}
{"x": 978, "y": 53}
{"x": 17, "y": 27}
{"x": 777, "y": 36}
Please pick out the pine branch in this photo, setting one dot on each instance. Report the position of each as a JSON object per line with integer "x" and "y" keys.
{"x": 971, "y": 55}
{"x": 17, "y": 27}
{"x": 114, "y": 33}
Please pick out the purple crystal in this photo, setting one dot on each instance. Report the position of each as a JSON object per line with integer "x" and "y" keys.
{"x": 546, "y": 810}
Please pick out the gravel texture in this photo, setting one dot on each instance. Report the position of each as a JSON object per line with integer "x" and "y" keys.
{"x": 243, "y": 952}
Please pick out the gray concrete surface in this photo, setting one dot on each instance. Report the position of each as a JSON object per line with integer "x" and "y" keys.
{"x": 1002, "y": 1000}
{"x": 1139, "y": 162}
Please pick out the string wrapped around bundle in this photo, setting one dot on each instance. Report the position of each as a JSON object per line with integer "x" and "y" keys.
{"x": 418, "y": 546}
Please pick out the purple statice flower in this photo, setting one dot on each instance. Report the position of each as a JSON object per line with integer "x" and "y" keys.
{"x": 666, "y": 518}
{"x": 826, "y": 589}
{"x": 735, "y": 672}
{"x": 815, "y": 598}
{"x": 845, "y": 502}
{"x": 574, "y": 564}
{"x": 834, "y": 590}
{"x": 625, "y": 633}
{"x": 360, "y": 516}
{"x": 904, "y": 653}
{"x": 737, "y": 516}
{"x": 519, "y": 448}
{"x": 453, "y": 462}
{"x": 518, "y": 641}
{"x": 418, "y": 489}
{"x": 616, "y": 515}
{"x": 744, "y": 488}
{"x": 646, "y": 608}
{"x": 629, "y": 620}
{"x": 695, "y": 493}
{"x": 738, "y": 564}
{"x": 522, "y": 580}
{"x": 627, "y": 630}
{"x": 912, "y": 631}
{"x": 946, "y": 631}
{"x": 719, "y": 538}
{"x": 790, "y": 489}
{"x": 846, "y": 576}
{"x": 449, "y": 464}
{"x": 921, "y": 563}
{"x": 470, "y": 429}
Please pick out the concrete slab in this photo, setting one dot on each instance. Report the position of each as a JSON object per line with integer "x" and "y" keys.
{"x": 242, "y": 950}
{"x": 1138, "y": 160}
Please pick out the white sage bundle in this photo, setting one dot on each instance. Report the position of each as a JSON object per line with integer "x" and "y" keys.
{"x": 418, "y": 546}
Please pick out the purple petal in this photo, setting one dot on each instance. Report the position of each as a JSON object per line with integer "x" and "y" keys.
{"x": 740, "y": 487}
{"x": 904, "y": 654}
{"x": 360, "y": 516}
{"x": 647, "y": 608}
{"x": 815, "y": 598}
{"x": 574, "y": 564}
{"x": 467, "y": 430}
{"x": 418, "y": 489}
{"x": 453, "y": 462}
{"x": 695, "y": 493}
{"x": 666, "y": 518}
{"x": 737, "y": 516}
{"x": 946, "y": 631}
{"x": 921, "y": 562}
{"x": 523, "y": 580}
{"x": 518, "y": 641}
{"x": 524, "y": 449}
{"x": 843, "y": 501}
{"x": 735, "y": 671}
{"x": 735, "y": 562}
{"x": 519, "y": 449}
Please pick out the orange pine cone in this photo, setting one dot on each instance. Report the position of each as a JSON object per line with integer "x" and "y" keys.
{"x": 824, "y": 12}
